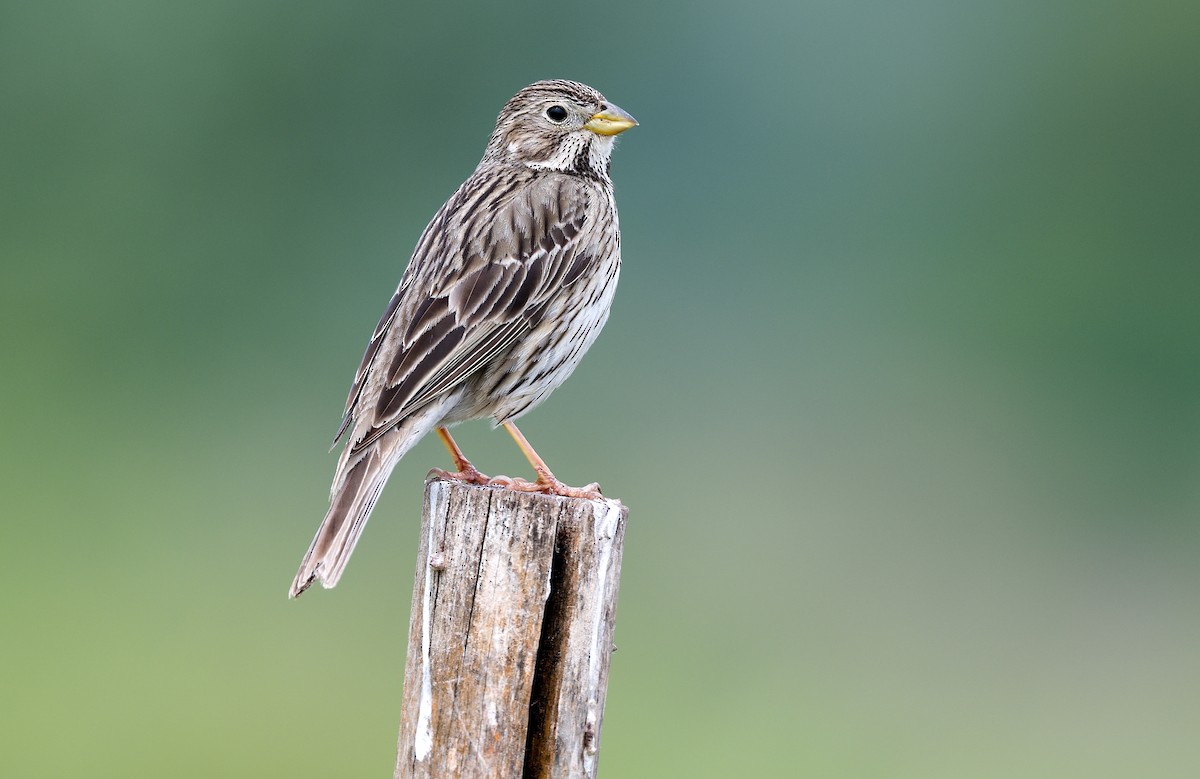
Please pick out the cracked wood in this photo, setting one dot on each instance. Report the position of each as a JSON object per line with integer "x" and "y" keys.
{"x": 510, "y": 635}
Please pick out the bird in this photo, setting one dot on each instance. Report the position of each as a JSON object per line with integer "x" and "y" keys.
{"x": 508, "y": 287}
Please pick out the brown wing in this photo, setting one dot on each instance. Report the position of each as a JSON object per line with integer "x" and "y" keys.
{"x": 482, "y": 274}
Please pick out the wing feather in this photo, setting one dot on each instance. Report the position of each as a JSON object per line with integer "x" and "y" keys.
{"x": 482, "y": 275}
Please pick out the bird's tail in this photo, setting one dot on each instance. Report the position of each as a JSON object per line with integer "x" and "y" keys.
{"x": 344, "y": 522}
{"x": 356, "y": 486}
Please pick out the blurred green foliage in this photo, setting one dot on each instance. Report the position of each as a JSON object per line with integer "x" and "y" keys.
{"x": 902, "y": 383}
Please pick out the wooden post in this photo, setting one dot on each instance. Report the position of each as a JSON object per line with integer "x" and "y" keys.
{"x": 510, "y": 635}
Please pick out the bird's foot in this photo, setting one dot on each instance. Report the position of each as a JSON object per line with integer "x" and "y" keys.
{"x": 548, "y": 486}
{"x": 467, "y": 475}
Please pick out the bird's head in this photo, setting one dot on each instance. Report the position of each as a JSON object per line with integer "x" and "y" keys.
{"x": 557, "y": 125}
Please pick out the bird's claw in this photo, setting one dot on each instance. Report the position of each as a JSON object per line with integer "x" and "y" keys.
{"x": 549, "y": 486}
{"x": 468, "y": 475}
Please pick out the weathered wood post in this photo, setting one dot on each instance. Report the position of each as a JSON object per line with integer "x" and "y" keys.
{"x": 510, "y": 636}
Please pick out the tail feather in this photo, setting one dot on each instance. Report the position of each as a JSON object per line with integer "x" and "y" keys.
{"x": 357, "y": 485}
{"x": 343, "y": 525}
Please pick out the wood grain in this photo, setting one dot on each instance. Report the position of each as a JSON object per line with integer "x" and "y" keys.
{"x": 510, "y": 635}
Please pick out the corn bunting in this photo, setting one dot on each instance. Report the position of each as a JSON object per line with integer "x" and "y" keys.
{"x": 509, "y": 285}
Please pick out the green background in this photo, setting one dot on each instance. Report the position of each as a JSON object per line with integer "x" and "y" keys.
{"x": 902, "y": 383}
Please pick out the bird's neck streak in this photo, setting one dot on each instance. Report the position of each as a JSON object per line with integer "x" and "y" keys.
{"x": 584, "y": 154}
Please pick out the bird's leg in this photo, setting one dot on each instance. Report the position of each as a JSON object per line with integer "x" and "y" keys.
{"x": 545, "y": 479}
{"x": 466, "y": 472}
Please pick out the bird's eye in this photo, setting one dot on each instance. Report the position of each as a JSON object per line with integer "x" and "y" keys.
{"x": 556, "y": 113}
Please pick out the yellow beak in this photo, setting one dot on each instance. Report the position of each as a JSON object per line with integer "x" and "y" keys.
{"x": 610, "y": 121}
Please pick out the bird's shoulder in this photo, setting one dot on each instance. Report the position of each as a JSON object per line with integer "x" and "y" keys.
{"x": 501, "y": 215}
